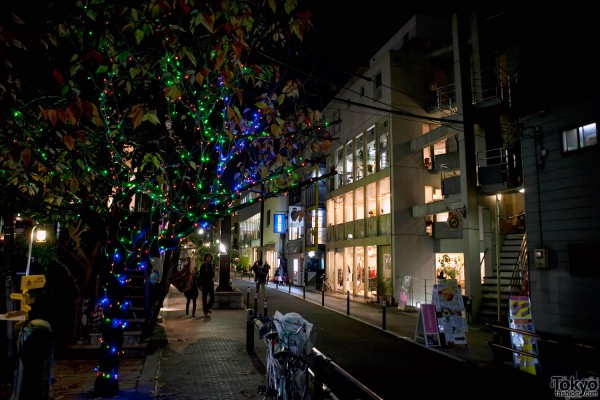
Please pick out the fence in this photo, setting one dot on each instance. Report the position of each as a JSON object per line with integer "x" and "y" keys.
{"x": 562, "y": 354}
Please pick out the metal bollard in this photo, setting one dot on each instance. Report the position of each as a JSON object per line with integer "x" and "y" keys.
{"x": 289, "y": 288}
{"x": 304, "y": 290}
{"x": 323, "y": 295}
{"x": 318, "y": 380}
{"x": 347, "y": 302}
{"x": 384, "y": 306}
{"x": 248, "y": 297}
{"x": 265, "y": 313}
{"x": 256, "y": 300}
{"x": 250, "y": 331}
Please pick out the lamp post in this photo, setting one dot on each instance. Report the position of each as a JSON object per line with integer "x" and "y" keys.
{"x": 41, "y": 236}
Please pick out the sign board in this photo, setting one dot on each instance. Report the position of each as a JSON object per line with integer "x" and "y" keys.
{"x": 520, "y": 317}
{"x": 32, "y": 282}
{"x": 448, "y": 303}
{"x": 279, "y": 223}
{"x": 403, "y": 298}
{"x": 427, "y": 327}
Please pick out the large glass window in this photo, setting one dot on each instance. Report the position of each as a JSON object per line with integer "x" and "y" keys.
{"x": 330, "y": 212}
{"x": 319, "y": 224}
{"x": 359, "y": 203}
{"x": 372, "y": 199}
{"x": 384, "y": 145}
{"x": 578, "y": 138}
{"x": 339, "y": 210}
{"x": 371, "y": 150}
{"x": 349, "y": 207}
{"x": 359, "y": 159}
{"x": 385, "y": 203}
{"x": 339, "y": 167}
{"x": 359, "y": 280}
{"x": 295, "y": 223}
{"x": 349, "y": 163}
{"x": 250, "y": 229}
{"x": 348, "y": 269}
{"x": 371, "y": 272}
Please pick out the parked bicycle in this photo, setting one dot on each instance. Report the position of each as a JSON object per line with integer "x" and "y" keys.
{"x": 286, "y": 360}
{"x": 326, "y": 286}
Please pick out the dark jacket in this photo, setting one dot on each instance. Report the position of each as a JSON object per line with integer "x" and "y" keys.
{"x": 206, "y": 274}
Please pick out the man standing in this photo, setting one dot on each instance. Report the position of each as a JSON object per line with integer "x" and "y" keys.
{"x": 206, "y": 281}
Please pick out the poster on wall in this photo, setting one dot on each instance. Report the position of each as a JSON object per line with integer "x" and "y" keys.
{"x": 404, "y": 289}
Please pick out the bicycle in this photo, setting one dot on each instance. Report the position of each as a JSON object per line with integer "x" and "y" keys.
{"x": 326, "y": 286}
{"x": 287, "y": 370}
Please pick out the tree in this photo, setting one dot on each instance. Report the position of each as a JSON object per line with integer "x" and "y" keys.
{"x": 172, "y": 108}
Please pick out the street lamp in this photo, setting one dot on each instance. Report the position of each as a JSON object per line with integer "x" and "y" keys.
{"x": 40, "y": 237}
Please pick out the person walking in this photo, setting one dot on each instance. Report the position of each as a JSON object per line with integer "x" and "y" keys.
{"x": 206, "y": 282}
{"x": 260, "y": 278}
{"x": 191, "y": 294}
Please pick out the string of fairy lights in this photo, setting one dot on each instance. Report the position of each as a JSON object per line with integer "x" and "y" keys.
{"x": 189, "y": 148}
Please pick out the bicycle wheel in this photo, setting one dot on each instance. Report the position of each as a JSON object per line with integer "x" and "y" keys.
{"x": 272, "y": 379}
{"x": 297, "y": 382}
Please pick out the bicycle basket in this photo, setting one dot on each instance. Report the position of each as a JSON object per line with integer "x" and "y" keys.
{"x": 290, "y": 329}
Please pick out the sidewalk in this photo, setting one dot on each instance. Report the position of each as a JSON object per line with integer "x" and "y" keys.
{"x": 206, "y": 357}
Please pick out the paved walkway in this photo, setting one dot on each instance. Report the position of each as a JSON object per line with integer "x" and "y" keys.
{"x": 206, "y": 357}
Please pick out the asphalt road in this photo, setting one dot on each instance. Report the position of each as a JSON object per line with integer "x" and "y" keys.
{"x": 392, "y": 366}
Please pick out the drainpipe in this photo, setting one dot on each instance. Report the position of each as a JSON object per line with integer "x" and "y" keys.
{"x": 498, "y": 256}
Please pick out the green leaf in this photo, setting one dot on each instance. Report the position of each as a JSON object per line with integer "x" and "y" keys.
{"x": 139, "y": 35}
{"x": 101, "y": 69}
{"x": 91, "y": 15}
{"x": 151, "y": 117}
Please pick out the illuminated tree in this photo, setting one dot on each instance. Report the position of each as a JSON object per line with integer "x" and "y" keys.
{"x": 172, "y": 107}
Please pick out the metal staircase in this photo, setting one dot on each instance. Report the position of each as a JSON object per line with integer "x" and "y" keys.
{"x": 513, "y": 280}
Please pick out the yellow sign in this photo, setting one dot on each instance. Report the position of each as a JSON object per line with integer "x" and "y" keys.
{"x": 32, "y": 282}
{"x": 16, "y": 296}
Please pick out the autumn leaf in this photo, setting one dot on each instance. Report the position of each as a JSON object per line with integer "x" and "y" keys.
{"x": 52, "y": 117}
{"x": 96, "y": 116}
{"x": 26, "y": 157}
{"x": 275, "y": 130}
{"x": 74, "y": 186}
{"x": 69, "y": 116}
{"x": 208, "y": 20}
{"x": 173, "y": 92}
{"x": 199, "y": 78}
{"x": 81, "y": 138}
{"x": 136, "y": 115}
{"x": 57, "y": 76}
{"x": 69, "y": 141}
{"x": 220, "y": 58}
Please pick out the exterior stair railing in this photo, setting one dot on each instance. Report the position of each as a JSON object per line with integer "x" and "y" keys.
{"x": 519, "y": 282}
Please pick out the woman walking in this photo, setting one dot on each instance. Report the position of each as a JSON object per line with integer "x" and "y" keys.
{"x": 191, "y": 294}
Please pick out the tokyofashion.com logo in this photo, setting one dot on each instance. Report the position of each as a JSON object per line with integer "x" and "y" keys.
{"x": 573, "y": 388}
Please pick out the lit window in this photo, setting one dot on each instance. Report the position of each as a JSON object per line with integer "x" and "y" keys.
{"x": 578, "y": 138}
